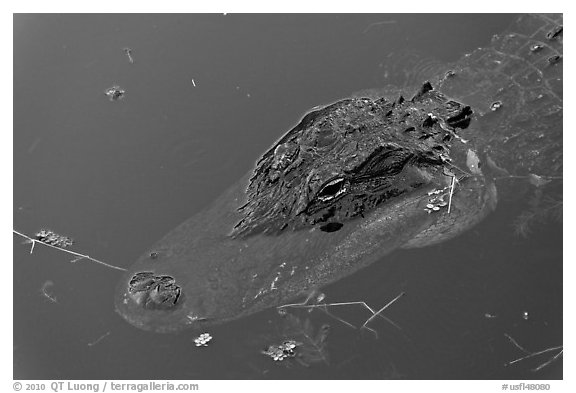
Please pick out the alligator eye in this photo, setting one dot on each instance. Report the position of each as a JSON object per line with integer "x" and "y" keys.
{"x": 332, "y": 189}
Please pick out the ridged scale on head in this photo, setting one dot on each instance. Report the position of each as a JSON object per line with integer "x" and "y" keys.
{"x": 357, "y": 143}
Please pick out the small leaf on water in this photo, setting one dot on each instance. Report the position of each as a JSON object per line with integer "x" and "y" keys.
{"x": 537, "y": 181}
{"x": 473, "y": 162}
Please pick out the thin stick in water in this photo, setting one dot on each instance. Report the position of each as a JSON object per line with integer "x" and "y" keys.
{"x": 78, "y": 255}
{"x": 91, "y": 344}
{"x": 540, "y": 367}
{"x": 46, "y": 292}
{"x": 383, "y": 308}
{"x": 451, "y": 192}
{"x": 324, "y": 307}
{"x": 128, "y": 52}
{"x": 516, "y": 343}
{"x": 531, "y": 355}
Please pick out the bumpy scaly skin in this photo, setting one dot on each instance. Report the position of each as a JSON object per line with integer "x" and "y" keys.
{"x": 343, "y": 160}
{"x": 514, "y": 86}
{"x": 154, "y": 292}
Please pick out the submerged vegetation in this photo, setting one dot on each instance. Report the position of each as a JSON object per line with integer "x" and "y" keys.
{"x": 541, "y": 209}
{"x": 544, "y": 205}
{"x": 302, "y": 342}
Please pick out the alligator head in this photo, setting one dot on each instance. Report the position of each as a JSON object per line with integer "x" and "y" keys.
{"x": 346, "y": 159}
{"x": 352, "y": 181}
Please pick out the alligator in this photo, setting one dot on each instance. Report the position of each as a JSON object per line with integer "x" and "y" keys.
{"x": 359, "y": 178}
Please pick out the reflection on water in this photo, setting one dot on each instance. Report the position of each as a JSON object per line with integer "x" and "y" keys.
{"x": 204, "y": 96}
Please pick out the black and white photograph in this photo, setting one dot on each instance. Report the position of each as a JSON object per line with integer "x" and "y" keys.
{"x": 288, "y": 196}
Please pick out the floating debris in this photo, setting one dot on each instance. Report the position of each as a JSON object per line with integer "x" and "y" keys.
{"x": 473, "y": 162}
{"x": 530, "y": 354}
{"x": 282, "y": 351}
{"x": 536, "y": 48}
{"x": 437, "y": 191}
{"x": 32, "y": 241}
{"x": 495, "y": 106}
{"x": 102, "y": 337}
{"x": 324, "y": 307}
{"x": 202, "y": 340}
{"x": 128, "y": 52}
{"x": 115, "y": 93}
{"x": 451, "y": 193}
{"x": 436, "y": 201}
{"x": 525, "y": 315}
{"x": 54, "y": 239}
{"x": 46, "y": 291}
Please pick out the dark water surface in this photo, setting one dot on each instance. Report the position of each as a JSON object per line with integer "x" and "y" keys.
{"x": 117, "y": 176}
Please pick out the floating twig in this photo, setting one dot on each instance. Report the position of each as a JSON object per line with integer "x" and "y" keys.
{"x": 549, "y": 361}
{"x": 533, "y": 354}
{"x": 45, "y": 292}
{"x": 324, "y": 307}
{"x": 515, "y": 343}
{"x": 535, "y": 180}
{"x": 383, "y": 308}
{"x": 451, "y": 193}
{"x": 128, "y": 52}
{"x": 460, "y": 169}
{"x": 91, "y": 344}
{"x": 76, "y": 254}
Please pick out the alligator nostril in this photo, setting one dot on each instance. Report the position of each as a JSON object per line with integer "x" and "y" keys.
{"x": 155, "y": 292}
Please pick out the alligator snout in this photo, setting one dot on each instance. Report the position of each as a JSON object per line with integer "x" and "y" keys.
{"x": 157, "y": 302}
